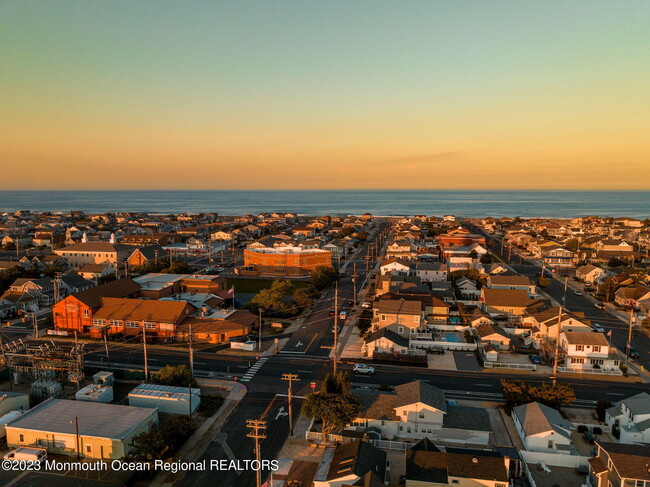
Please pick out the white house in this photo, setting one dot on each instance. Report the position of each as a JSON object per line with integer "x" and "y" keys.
{"x": 395, "y": 267}
{"x": 511, "y": 282}
{"x": 632, "y": 416}
{"x": 542, "y": 429}
{"x": 587, "y": 351}
{"x": 416, "y": 410}
{"x": 431, "y": 271}
{"x": 590, "y": 273}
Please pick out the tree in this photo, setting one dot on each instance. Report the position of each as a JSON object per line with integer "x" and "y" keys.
{"x": 608, "y": 288}
{"x": 175, "y": 375}
{"x": 175, "y": 430}
{"x": 553, "y": 395}
{"x": 473, "y": 254}
{"x": 571, "y": 244}
{"x": 486, "y": 258}
{"x": 302, "y": 298}
{"x": 515, "y": 392}
{"x": 148, "y": 446}
{"x": 323, "y": 277}
{"x": 346, "y": 231}
{"x": 333, "y": 410}
{"x": 272, "y": 299}
{"x": 615, "y": 262}
{"x": 602, "y": 405}
{"x": 336, "y": 384}
{"x": 544, "y": 233}
{"x": 361, "y": 235}
{"x": 543, "y": 282}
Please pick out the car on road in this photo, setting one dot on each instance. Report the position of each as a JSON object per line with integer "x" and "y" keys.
{"x": 589, "y": 289}
{"x": 436, "y": 350}
{"x": 598, "y": 328}
{"x": 367, "y": 305}
{"x": 600, "y": 306}
{"x": 343, "y": 315}
{"x": 577, "y": 293}
{"x": 351, "y": 303}
{"x": 363, "y": 369}
{"x": 338, "y": 329}
{"x": 332, "y": 313}
{"x": 634, "y": 353}
{"x": 535, "y": 359}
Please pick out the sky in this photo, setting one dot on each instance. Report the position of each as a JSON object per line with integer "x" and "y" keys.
{"x": 372, "y": 94}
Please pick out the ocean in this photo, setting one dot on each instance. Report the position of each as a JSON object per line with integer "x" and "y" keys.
{"x": 550, "y": 204}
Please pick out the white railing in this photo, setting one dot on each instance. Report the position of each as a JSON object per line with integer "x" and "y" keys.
{"x": 579, "y": 370}
{"x": 318, "y": 437}
{"x": 391, "y": 445}
{"x": 425, "y": 344}
{"x": 505, "y": 365}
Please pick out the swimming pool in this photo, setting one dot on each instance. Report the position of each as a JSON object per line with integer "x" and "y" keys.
{"x": 452, "y": 336}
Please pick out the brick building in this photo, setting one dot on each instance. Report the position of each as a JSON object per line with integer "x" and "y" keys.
{"x": 284, "y": 261}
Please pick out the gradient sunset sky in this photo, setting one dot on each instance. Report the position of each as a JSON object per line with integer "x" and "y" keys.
{"x": 324, "y": 94}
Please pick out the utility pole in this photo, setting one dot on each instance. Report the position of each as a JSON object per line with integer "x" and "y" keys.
{"x": 126, "y": 268}
{"x": 35, "y": 324}
{"x": 108, "y": 358}
{"x": 144, "y": 345}
{"x": 354, "y": 282}
{"x": 336, "y": 326}
{"x": 191, "y": 355}
{"x": 259, "y": 333}
{"x": 557, "y": 346}
{"x": 629, "y": 334}
{"x": 155, "y": 257}
{"x": 290, "y": 378}
{"x": 5, "y": 364}
{"x": 76, "y": 429}
{"x": 566, "y": 284}
{"x": 257, "y": 426}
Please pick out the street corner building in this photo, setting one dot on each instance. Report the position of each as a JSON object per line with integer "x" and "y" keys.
{"x": 104, "y": 430}
{"x": 283, "y": 261}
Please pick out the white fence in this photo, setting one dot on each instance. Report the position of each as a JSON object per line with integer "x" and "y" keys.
{"x": 426, "y": 344}
{"x": 504, "y": 365}
{"x": 553, "y": 459}
{"x": 318, "y": 437}
{"x": 579, "y": 370}
{"x": 391, "y": 445}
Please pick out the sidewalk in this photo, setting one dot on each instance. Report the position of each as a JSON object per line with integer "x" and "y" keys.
{"x": 198, "y": 442}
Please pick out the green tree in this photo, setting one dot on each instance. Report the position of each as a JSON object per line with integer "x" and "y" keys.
{"x": 515, "y": 392}
{"x": 323, "y": 277}
{"x": 336, "y": 384}
{"x": 615, "y": 262}
{"x": 553, "y": 395}
{"x": 175, "y": 375}
{"x": 273, "y": 300}
{"x": 333, "y": 410}
{"x": 149, "y": 446}
{"x": 473, "y": 254}
{"x": 302, "y": 298}
{"x": 571, "y": 244}
{"x": 346, "y": 231}
{"x": 175, "y": 430}
{"x": 361, "y": 235}
{"x": 486, "y": 258}
{"x": 602, "y": 405}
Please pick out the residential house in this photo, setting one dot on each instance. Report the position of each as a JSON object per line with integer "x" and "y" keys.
{"x": 588, "y": 351}
{"x": 590, "y": 273}
{"x": 632, "y": 417}
{"x": 83, "y": 253}
{"x": 94, "y": 272}
{"x": 492, "y": 335}
{"x": 542, "y": 429}
{"x": 354, "y": 463}
{"x": 431, "y": 271}
{"x": 512, "y": 302}
{"x": 467, "y": 289}
{"x": 429, "y": 467}
{"x": 417, "y": 410}
{"x": 512, "y": 282}
{"x": 402, "y": 316}
{"x": 619, "y": 465}
{"x": 147, "y": 254}
{"x": 395, "y": 267}
{"x": 631, "y": 295}
{"x": 545, "y": 322}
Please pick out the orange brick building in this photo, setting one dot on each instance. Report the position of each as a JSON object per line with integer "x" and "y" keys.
{"x": 75, "y": 312}
{"x": 284, "y": 261}
{"x": 460, "y": 240}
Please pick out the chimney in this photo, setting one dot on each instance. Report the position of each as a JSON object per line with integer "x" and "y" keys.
{"x": 84, "y": 237}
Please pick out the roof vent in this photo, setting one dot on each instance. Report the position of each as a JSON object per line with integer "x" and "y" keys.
{"x": 474, "y": 460}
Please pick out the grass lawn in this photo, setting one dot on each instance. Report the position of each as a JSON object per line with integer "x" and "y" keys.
{"x": 253, "y": 286}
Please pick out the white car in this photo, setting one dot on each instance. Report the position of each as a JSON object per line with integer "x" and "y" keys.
{"x": 367, "y": 305}
{"x": 577, "y": 293}
{"x": 597, "y": 328}
{"x": 343, "y": 315}
{"x": 363, "y": 369}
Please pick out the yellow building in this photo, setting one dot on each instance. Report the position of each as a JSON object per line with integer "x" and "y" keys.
{"x": 105, "y": 430}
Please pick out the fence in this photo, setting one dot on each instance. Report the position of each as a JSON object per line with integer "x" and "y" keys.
{"x": 503, "y": 365}
{"x": 318, "y": 437}
{"x": 425, "y": 344}
{"x": 579, "y": 370}
{"x": 391, "y": 445}
{"x": 553, "y": 459}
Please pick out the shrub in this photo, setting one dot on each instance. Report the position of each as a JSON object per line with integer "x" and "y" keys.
{"x": 582, "y": 429}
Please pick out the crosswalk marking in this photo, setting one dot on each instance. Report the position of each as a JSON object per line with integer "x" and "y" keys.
{"x": 253, "y": 370}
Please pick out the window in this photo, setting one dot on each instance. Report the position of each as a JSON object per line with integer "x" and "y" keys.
{"x": 579, "y": 348}
{"x": 596, "y": 348}
{"x": 400, "y": 329}
{"x": 86, "y": 313}
{"x": 383, "y": 317}
{"x": 132, "y": 324}
{"x": 577, "y": 360}
{"x": 21, "y": 438}
{"x": 150, "y": 325}
{"x": 166, "y": 326}
{"x": 421, "y": 415}
{"x": 550, "y": 444}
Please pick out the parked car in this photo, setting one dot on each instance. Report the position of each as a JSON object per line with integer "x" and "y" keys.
{"x": 634, "y": 353}
{"x": 367, "y": 305}
{"x": 436, "y": 350}
{"x": 332, "y": 312}
{"x": 363, "y": 369}
{"x": 600, "y": 306}
{"x": 535, "y": 359}
{"x": 343, "y": 315}
{"x": 598, "y": 328}
{"x": 577, "y": 293}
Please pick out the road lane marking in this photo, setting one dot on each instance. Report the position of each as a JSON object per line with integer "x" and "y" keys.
{"x": 312, "y": 341}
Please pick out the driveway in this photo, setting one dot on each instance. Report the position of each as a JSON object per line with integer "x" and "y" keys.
{"x": 466, "y": 361}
